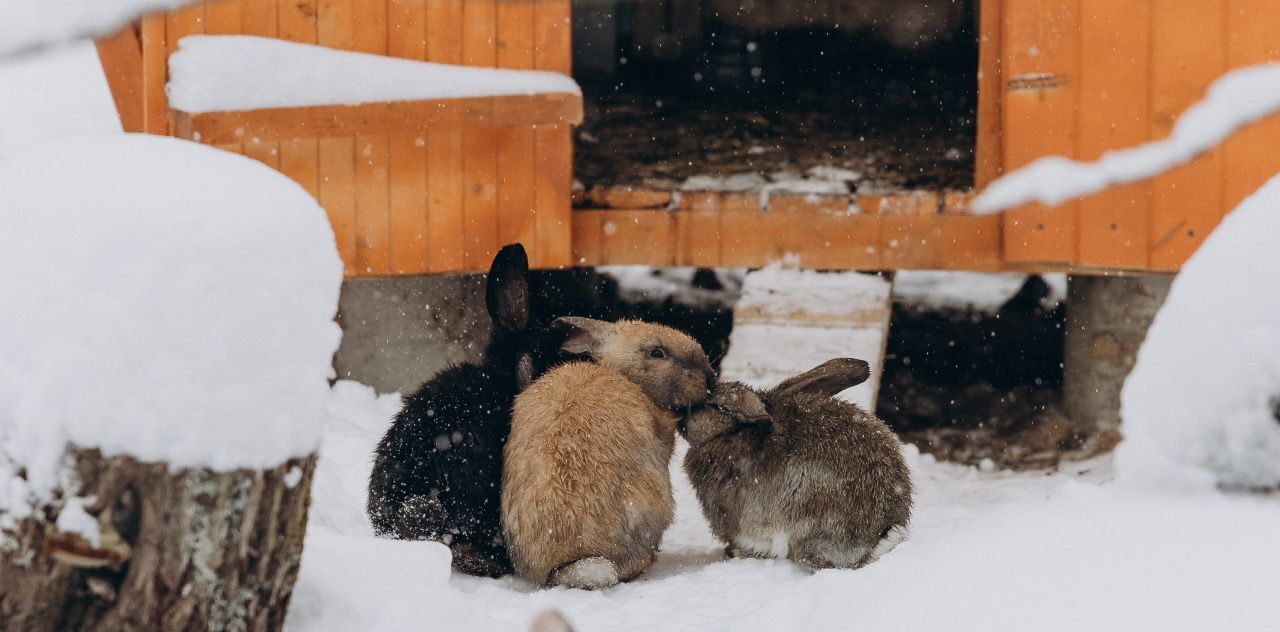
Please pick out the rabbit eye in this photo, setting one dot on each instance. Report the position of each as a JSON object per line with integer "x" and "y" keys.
{"x": 657, "y": 352}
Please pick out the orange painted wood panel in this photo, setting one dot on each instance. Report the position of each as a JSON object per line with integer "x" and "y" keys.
{"x": 480, "y": 144}
{"x": 1188, "y": 52}
{"x": 337, "y": 195}
{"x": 224, "y": 17}
{"x": 1113, "y": 112}
{"x": 121, "y": 57}
{"x": 517, "y": 174}
{"x": 698, "y": 238}
{"x": 444, "y": 31}
{"x": 155, "y": 73}
{"x": 260, "y": 17}
{"x": 372, "y": 206}
{"x": 189, "y": 20}
{"x": 1250, "y": 157}
{"x": 299, "y": 156}
{"x": 1042, "y": 66}
{"x": 553, "y": 191}
{"x": 639, "y": 237}
{"x": 335, "y": 23}
{"x": 408, "y": 201}
{"x": 586, "y": 238}
{"x": 989, "y": 152}
{"x": 553, "y": 35}
{"x": 839, "y": 242}
{"x": 407, "y": 38}
{"x": 444, "y": 201}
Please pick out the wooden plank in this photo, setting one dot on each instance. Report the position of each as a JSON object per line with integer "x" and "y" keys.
{"x": 587, "y": 237}
{"x": 444, "y": 148}
{"x": 1114, "y": 114}
{"x": 554, "y": 48}
{"x": 553, "y": 196}
{"x": 444, "y": 31}
{"x": 408, "y": 201}
{"x": 444, "y": 201}
{"x": 407, "y": 29}
{"x": 188, "y": 20}
{"x": 299, "y": 156}
{"x": 1041, "y": 62}
{"x": 1250, "y": 156}
{"x": 336, "y": 23}
{"x": 517, "y": 173}
{"x": 337, "y": 195}
{"x": 372, "y": 206}
{"x": 637, "y": 238}
{"x": 407, "y": 38}
{"x": 698, "y": 236}
{"x": 839, "y": 242}
{"x": 480, "y": 144}
{"x": 553, "y": 150}
{"x": 297, "y": 20}
{"x": 517, "y": 182}
{"x": 260, "y": 17}
{"x": 409, "y": 117}
{"x": 121, "y": 57}
{"x": 155, "y": 73}
{"x": 988, "y": 153}
{"x": 1188, "y": 52}
{"x": 224, "y": 17}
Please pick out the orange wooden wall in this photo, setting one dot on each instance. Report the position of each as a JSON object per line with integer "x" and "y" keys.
{"x": 1080, "y": 77}
{"x": 407, "y": 203}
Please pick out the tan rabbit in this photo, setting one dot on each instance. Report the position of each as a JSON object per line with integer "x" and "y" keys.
{"x": 794, "y": 473}
{"x": 586, "y": 492}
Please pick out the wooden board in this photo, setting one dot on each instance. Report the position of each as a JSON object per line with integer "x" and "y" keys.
{"x": 1113, "y": 111}
{"x": 1041, "y": 64}
{"x": 1188, "y": 52}
{"x": 121, "y": 58}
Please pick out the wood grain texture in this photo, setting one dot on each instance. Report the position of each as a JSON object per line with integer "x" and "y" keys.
{"x": 1042, "y": 67}
{"x": 1188, "y": 52}
{"x": 1114, "y": 112}
{"x": 121, "y": 57}
{"x": 988, "y": 152}
{"x": 243, "y": 530}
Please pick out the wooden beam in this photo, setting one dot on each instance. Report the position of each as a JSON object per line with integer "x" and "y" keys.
{"x": 121, "y": 58}
{"x": 324, "y": 121}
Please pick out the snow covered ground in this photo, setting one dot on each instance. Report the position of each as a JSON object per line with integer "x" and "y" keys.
{"x": 988, "y": 551}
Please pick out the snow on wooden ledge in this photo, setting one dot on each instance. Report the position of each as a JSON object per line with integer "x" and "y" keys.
{"x": 209, "y": 73}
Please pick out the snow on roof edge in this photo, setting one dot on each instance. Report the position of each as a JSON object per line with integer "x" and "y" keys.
{"x": 207, "y": 75}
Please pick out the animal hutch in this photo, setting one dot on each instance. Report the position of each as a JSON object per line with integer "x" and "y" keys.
{"x": 434, "y": 187}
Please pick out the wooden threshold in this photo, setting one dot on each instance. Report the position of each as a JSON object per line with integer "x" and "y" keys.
{"x": 325, "y": 121}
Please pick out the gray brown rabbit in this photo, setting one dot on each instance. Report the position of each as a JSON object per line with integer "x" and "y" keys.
{"x": 586, "y": 490}
{"x": 792, "y": 472}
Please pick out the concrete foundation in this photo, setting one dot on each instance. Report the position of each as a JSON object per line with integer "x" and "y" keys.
{"x": 1107, "y": 320}
{"x": 399, "y": 331}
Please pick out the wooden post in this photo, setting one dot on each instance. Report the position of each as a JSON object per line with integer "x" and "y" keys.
{"x": 185, "y": 549}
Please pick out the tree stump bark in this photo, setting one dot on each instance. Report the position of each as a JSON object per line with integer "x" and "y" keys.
{"x": 186, "y": 549}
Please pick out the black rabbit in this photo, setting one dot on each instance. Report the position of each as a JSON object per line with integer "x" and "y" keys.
{"x": 437, "y": 472}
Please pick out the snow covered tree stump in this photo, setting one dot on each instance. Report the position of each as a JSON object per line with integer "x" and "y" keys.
{"x": 137, "y": 546}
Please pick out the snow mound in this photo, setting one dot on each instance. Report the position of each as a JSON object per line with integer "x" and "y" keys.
{"x": 56, "y": 93}
{"x": 1236, "y": 99}
{"x": 163, "y": 300}
{"x": 207, "y": 74}
{"x": 27, "y": 24}
{"x": 1203, "y": 400}
{"x": 1173, "y": 561}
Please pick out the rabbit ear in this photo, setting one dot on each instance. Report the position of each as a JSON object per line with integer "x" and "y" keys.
{"x": 507, "y": 292}
{"x": 581, "y": 335}
{"x": 826, "y": 379}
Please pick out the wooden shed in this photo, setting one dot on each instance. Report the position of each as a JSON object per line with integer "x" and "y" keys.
{"x": 435, "y": 187}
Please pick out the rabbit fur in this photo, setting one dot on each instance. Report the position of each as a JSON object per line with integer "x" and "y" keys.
{"x": 586, "y": 491}
{"x": 792, "y": 472}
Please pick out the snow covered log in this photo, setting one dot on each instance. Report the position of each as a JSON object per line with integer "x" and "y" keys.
{"x": 165, "y": 350}
{"x": 155, "y": 548}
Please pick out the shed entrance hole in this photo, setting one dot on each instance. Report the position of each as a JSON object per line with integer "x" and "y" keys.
{"x": 879, "y": 94}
